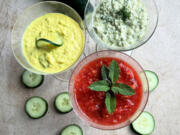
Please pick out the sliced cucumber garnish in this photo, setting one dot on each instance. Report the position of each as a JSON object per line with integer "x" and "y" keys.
{"x": 36, "y": 107}
{"x": 71, "y": 130}
{"x": 144, "y": 124}
{"x": 62, "y": 103}
{"x": 31, "y": 80}
{"x": 153, "y": 79}
{"x": 45, "y": 43}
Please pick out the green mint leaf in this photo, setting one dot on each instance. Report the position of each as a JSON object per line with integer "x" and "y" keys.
{"x": 104, "y": 72}
{"x": 114, "y": 71}
{"x": 110, "y": 102}
{"x": 123, "y": 89}
{"x": 100, "y": 86}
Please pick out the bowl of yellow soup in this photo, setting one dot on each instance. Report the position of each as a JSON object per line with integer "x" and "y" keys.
{"x": 48, "y": 38}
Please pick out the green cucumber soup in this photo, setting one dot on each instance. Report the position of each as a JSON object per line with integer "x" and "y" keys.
{"x": 120, "y": 23}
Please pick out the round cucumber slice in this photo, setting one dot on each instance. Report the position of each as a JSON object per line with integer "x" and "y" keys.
{"x": 153, "y": 79}
{"x": 144, "y": 124}
{"x": 72, "y": 130}
{"x": 62, "y": 103}
{"x": 31, "y": 80}
{"x": 36, "y": 107}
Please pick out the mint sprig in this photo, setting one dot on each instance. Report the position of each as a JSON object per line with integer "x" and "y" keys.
{"x": 122, "y": 89}
{"x": 110, "y": 102}
{"x": 114, "y": 72}
{"x": 104, "y": 73}
{"x": 100, "y": 86}
{"x": 110, "y": 86}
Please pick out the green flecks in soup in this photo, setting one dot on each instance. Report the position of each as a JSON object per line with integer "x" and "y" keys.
{"x": 120, "y": 23}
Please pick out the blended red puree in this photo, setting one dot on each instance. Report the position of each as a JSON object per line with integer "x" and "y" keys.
{"x": 92, "y": 103}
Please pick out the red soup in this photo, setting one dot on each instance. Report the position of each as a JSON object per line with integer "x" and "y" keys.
{"x": 92, "y": 103}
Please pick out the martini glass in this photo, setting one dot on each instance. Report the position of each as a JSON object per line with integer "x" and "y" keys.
{"x": 153, "y": 21}
{"x": 30, "y": 14}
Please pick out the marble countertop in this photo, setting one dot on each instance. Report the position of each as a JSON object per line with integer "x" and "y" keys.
{"x": 160, "y": 54}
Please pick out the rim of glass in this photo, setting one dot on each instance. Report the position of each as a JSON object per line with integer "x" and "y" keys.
{"x": 121, "y": 49}
{"x": 84, "y": 117}
{"x": 38, "y": 71}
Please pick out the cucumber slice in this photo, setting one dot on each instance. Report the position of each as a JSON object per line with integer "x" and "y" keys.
{"x": 62, "y": 103}
{"x": 72, "y": 130}
{"x": 153, "y": 79}
{"x": 31, "y": 80}
{"x": 45, "y": 43}
{"x": 36, "y": 107}
{"x": 144, "y": 124}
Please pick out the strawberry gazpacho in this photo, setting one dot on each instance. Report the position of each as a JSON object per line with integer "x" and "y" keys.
{"x": 108, "y": 90}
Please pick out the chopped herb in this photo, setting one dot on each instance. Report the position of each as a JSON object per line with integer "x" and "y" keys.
{"x": 108, "y": 84}
{"x": 123, "y": 14}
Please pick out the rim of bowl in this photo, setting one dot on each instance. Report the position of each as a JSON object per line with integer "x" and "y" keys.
{"x": 84, "y": 117}
{"x": 120, "y": 49}
{"x": 38, "y": 71}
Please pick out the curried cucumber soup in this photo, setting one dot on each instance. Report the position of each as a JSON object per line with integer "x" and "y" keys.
{"x": 47, "y": 56}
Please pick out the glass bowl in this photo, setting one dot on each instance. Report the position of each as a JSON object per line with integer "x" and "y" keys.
{"x": 31, "y": 14}
{"x": 153, "y": 21}
{"x": 132, "y": 62}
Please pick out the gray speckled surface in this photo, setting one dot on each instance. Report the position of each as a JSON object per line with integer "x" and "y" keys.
{"x": 160, "y": 54}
